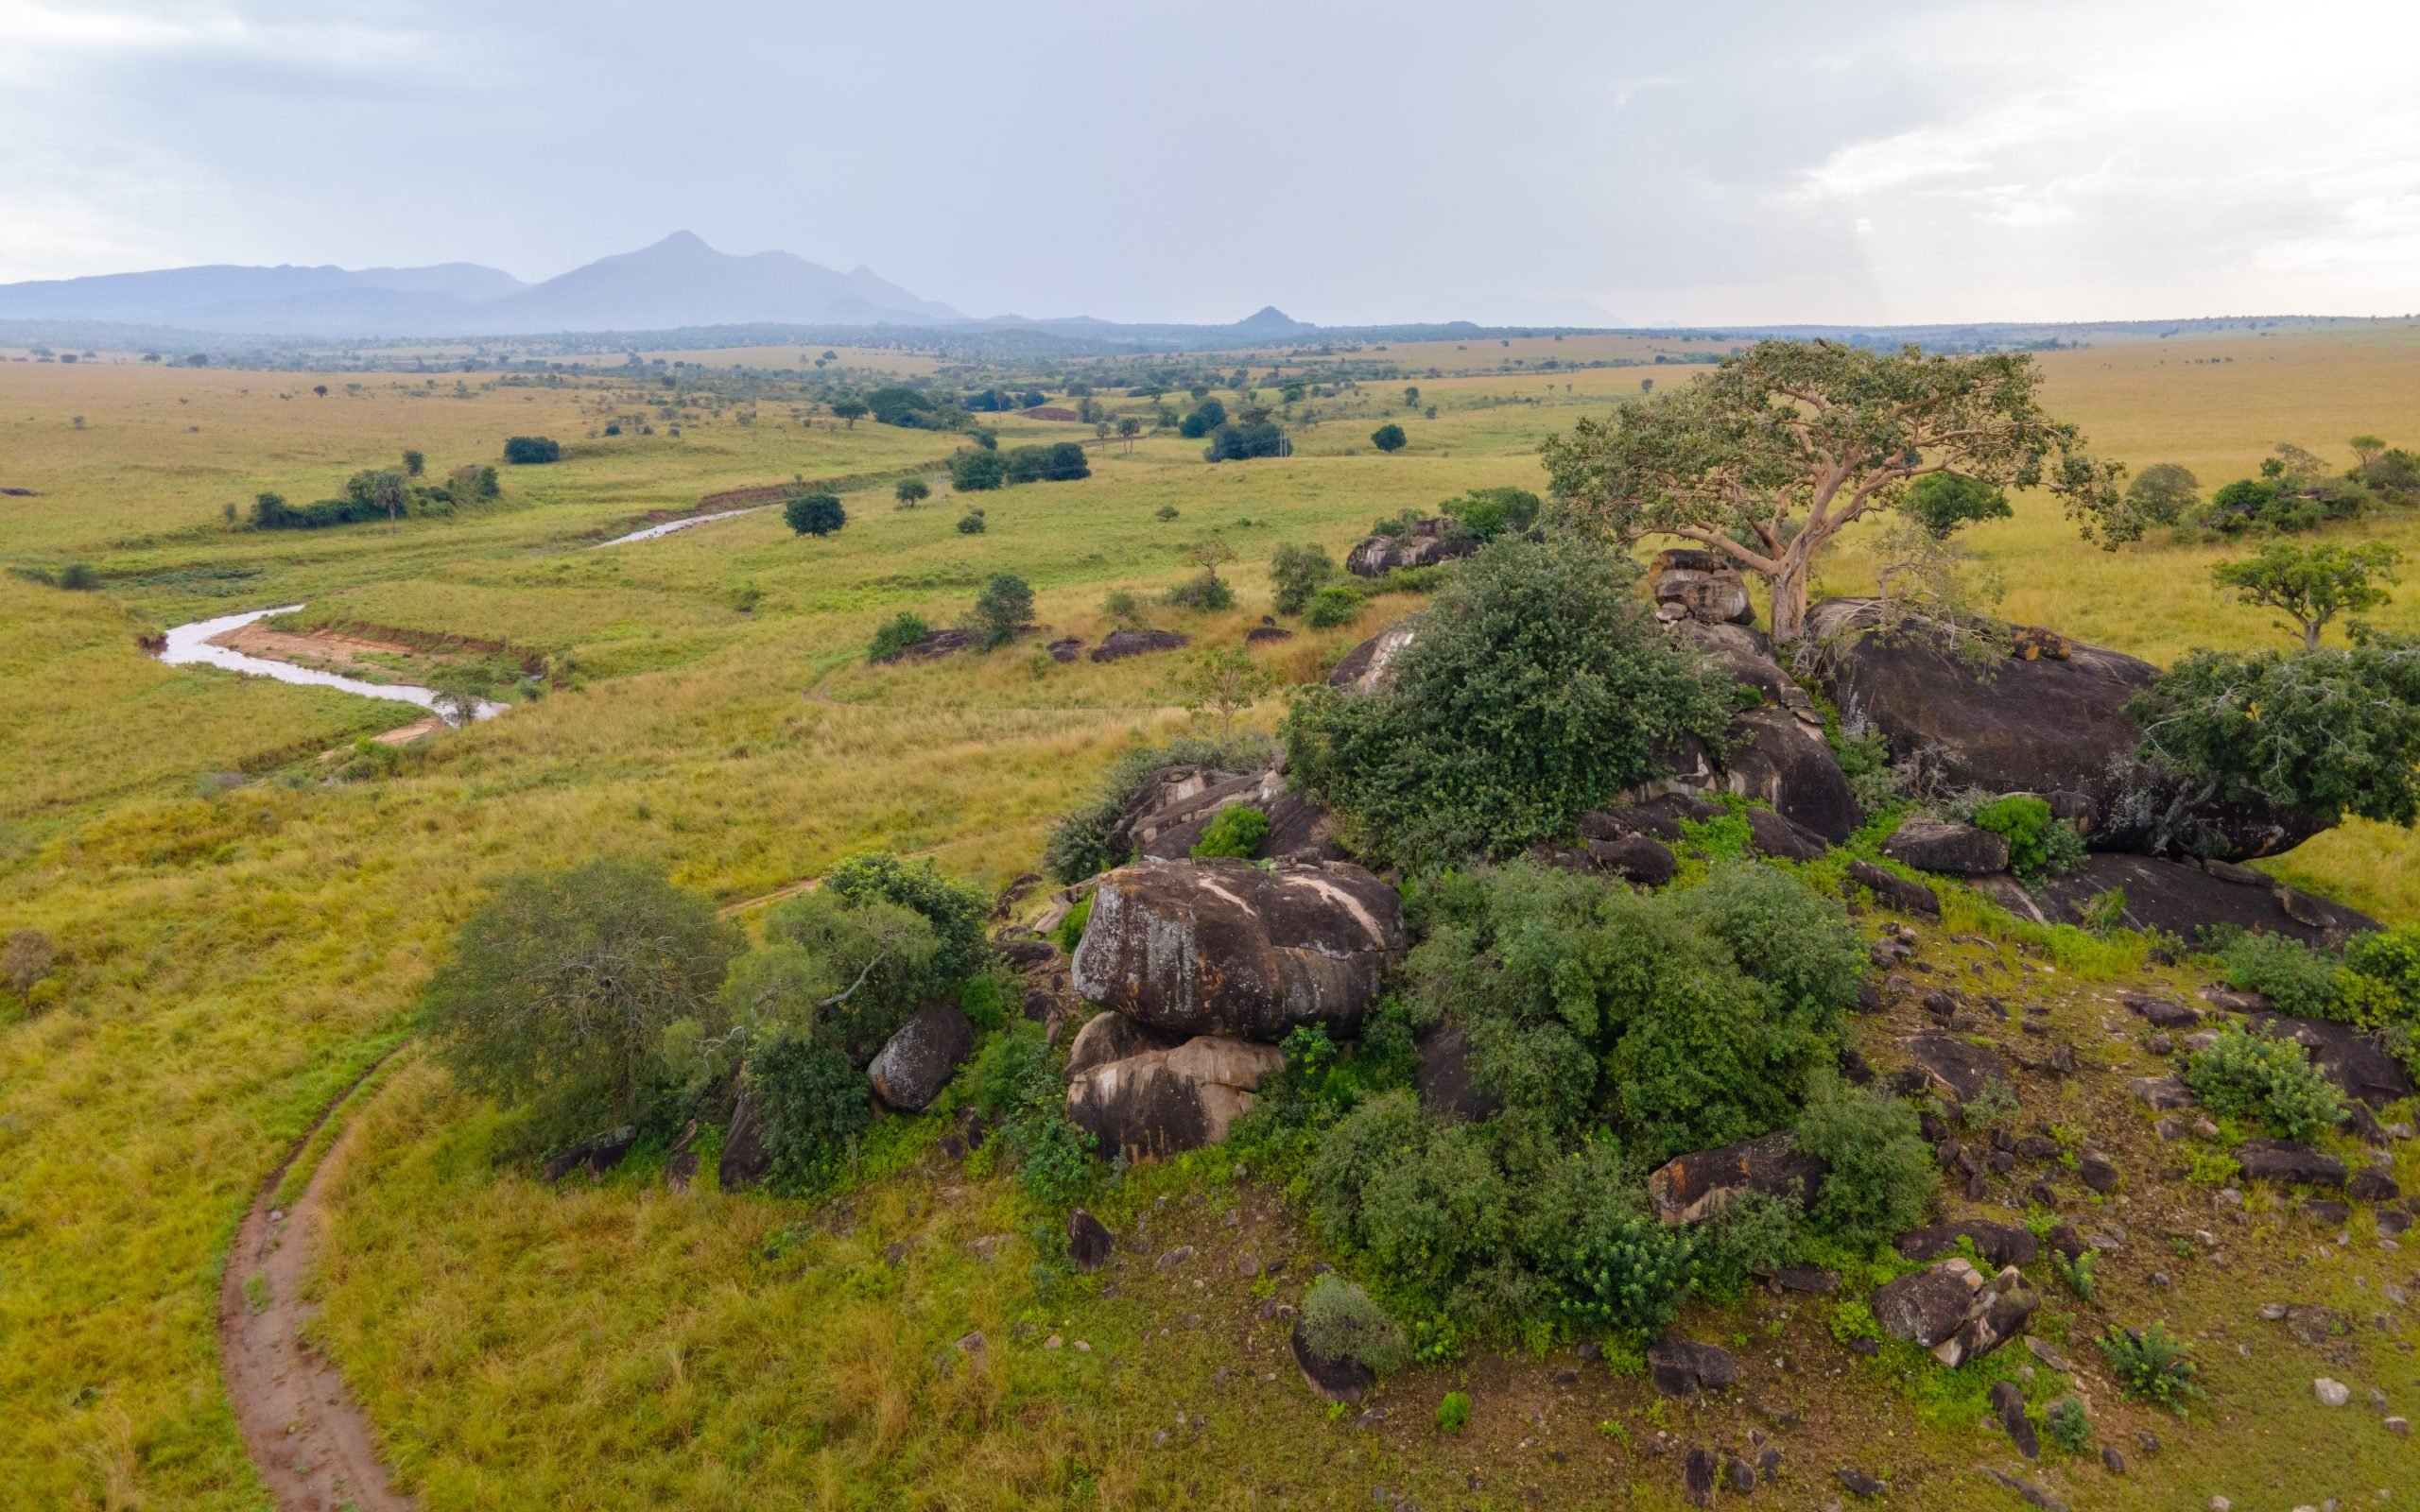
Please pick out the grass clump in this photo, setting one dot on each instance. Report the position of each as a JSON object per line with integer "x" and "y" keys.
{"x": 2149, "y": 1364}
{"x": 1341, "y": 1322}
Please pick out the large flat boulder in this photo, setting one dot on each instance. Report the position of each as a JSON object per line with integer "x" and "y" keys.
{"x": 1926, "y": 1306}
{"x": 915, "y": 1063}
{"x": 1960, "y": 849}
{"x": 1225, "y": 947}
{"x": 1687, "y": 1187}
{"x": 2034, "y": 726}
{"x": 2287, "y": 1163}
{"x": 1166, "y": 1102}
{"x": 1956, "y": 1064}
{"x": 1999, "y": 1244}
{"x": 2184, "y": 899}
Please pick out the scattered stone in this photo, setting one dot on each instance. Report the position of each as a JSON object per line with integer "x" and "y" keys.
{"x": 2331, "y": 1393}
{"x": 1811, "y": 1280}
{"x": 1895, "y": 891}
{"x": 2161, "y": 1094}
{"x": 1089, "y": 1242}
{"x": 2285, "y": 1161}
{"x": 1120, "y": 645}
{"x": 1962, "y": 850}
{"x": 595, "y": 1156}
{"x": 2162, "y": 1013}
{"x": 2328, "y": 1212}
{"x": 1173, "y": 1258}
{"x": 1926, "y": 1306}
{"x": 2043, "y": 1352}
{"x": 2097, "y": 1171}
{"x": 1683, "y": 1367}
{"x": 971, "y": 1343}
{"x": 2008, "y": 1401}
{"x": 1960, "y": 1066}
{"x": 2030, "y": 1494}
{"x": 1697, "y": 1477}
{"x": 1856, "y": 1483}
{"x": 2111, "y": 1461}
{"x": 2399, "y": 1427}
{"x": 2000, "y": 1244}
{"x": 2370, "y": 1184}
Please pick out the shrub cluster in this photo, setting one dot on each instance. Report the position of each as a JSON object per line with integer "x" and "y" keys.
{"x": 1081, "y": 846}
{"x": 2261, "y": 1077}
{"x": 1236, "y": 829}
{"x": 2039, "y": 845}
{"x": 1539, "y": 686}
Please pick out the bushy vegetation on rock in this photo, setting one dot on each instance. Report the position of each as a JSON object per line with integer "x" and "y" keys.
{"x": 1538, "y": 686}
{"x": 2257, "y": 1075}
{"x": 1340, "y": 1322}
{"x": 1081, "y": 846}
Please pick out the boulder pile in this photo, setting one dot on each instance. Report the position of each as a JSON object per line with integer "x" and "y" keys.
{"x": 1427, "y": 543}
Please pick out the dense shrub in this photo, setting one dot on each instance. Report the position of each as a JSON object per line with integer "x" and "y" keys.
{"x": 560, "y": 989}
{"x": 1539, "y": 686}
{"x": 1239, "y": 443}
{"x": 1627, "y": 1277}
{"x": 815, "y": 514}
{"x": 813, "y": 1106}
{"x": 899, "y": 405}
{"x": 1334, "y": 605}
{"x": 1000, "y": 611}
{"x": 1340, "y": 1322}
{"x": 955, "y": 910}
{"x": 1203, "y": 593}
{"x": 523, "y": 450}
{"x": 2264, "y": 1077}
{"x": 977, "y": 472}
{"x": 1017, "y": 1086}
{"x": 2038, "y": 844}
{"x": 1080, "y": 847}
{"x": 27, "y": 961}
{"x": 1388, "y": 437}
{"x": 2301, "y": 980}
{"x": 2329, "y": 732}
{"x": 2068, "y": 1425}
{"x": 971, "y": 522}
{"x": 896, "y": 635}
{"x": 1795, "y": 942}
{"x": 1203, "y": 419}
{"x": 1058, "y": 462}
{"x": 1233, "y": 831}
{"x": 1426, "y": 1203}
{"x": 1881, "y": 1172}
{"x": 1487, "y": 513}
{"x": 2152, "y": 1365}
{"x": 1296, "y": 572}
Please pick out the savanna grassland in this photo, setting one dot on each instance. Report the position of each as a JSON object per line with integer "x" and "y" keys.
{"x": 236, "y": 952}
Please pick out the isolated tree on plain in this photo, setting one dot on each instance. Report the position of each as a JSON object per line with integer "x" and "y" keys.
{"x": 414, "y": 464}
{"x": 1773, "y": 454}
{"x": 1412, "y": 396}
{"x": 911, "y": 492}
{"x": 849, "y": 410}
{"x": 1210, "y": 553}
{"x": 2312, "y": 585}
{"x": 1128, "y": 428}
{"x": 320, "y": 390}
{"x": 1298, "y": 571}
{"x": 2367, "y": 449}
{"x": 1647, "y": 386}
{"x": 389, "y": 492}
{"x": 1217, "y": 685}
{"x": 2163, "y": 493}
{"x": 815, "y": 514}
{"x": 1388, "y": 437}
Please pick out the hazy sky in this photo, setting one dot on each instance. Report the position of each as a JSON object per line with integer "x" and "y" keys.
{"x": 1502, "y": 161}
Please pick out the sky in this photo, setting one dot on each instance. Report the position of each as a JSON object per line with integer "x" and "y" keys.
{"x": 1594, "y": 163}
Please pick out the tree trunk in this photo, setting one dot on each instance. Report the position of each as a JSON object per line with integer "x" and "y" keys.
{"x": 2311, "y": 634}
{"x": 1789, "y": 601}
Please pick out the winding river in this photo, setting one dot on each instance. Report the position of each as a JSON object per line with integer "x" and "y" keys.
{"x": 190, "y": 645}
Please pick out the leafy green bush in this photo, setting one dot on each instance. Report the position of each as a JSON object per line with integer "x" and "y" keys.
{"x": 1333, "y": 606}
{"x": 1454, "y": 1413}
{"x": 1080, "y": 847}
{"x": 815, "y": 1107}
{"x": 984, "y": 1002}
{"x": 1538, "y": 685}
{"x": 2152, "y": 1365}
{"x": 1425, "y": 1203}
{"x": 1797, "y": 943}
{"x": 1340, "y": 1322}
{"x": 955, "y": 910}
{"x": 1628, "y": 1279}
{"x": 1070, "y": 932}
{"x": 1203, "y": 593}
{"x": 2068, "y": 1426}
{"x": 815, "y": 514}
{"x": 1233, "y": 831}
{"x": 526, "y": 451}
{"x": 2300, "y": 980}
{"x": 2038, "y": 844}
{"x": 2260, "y": 1077}
{"x": 1753, "y": 1235}
{"x": 558, "y": 991}
{"x": 1881, "y": 1172}
{"x": 1016, "y": 1085}
{"x": 1487, "y": 513}
{"x": 971, "y": 522}
{"x": 1296, "y": 572}
{"x": 895, "y": 636}
{"x": 1000, "y": 611}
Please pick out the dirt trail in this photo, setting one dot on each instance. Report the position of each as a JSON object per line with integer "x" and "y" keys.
{"x": 317, "y": 648}
{"x": 305, "y": 1433}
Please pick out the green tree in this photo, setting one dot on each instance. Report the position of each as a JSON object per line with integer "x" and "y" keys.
{"x": 2164, "y": 493}
{"x": 2312, "y": 585}
{"x": 528, "y": 451}
{"x": 1210, "y": 553}
{"x": 849, "y": 411}
{"x": 815, "y": 514}
{"x": 1128, "y": 427}
{"x": 2367, "y": 449}
{"x": 560, "y": 989}
{"x": 414, "y": 464}
{"x": 978, "y": 471}
{"x": 1298, "y": 571}
{"x": 2329, "y": 732}
{"x": 1944, "y": 503}
{"x": 911, "y": 492}
{"x": 1216, "y": 685}
{"x": 1388, "y": 437}
{"x": 1001, "y": 610}
{"x": 1773, "y": 454}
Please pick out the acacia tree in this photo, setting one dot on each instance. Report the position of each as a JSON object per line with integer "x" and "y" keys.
{"x": 849, "y": 411}
{"x": 2312, "y": 585}
{"x": 1781, "y": 447}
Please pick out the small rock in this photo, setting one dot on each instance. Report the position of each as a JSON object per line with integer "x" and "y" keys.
{"x": 2399, "y": 1427}
{"x": 971, "y": 1342}
{"x": 1089, "y": 1242}
{"x": 1174, "y": 1258}
{"x": 1054, "y": 1342}
{"x": 2027, "y": 1491}
{"x": 2331, "y": 1393}
{"x": 1697, "y": 1477}
{"x": 2047, "y": 1355}
{"x": 1739, "y": 1474}
{"x": 2097, "y": 1171}
{"x": 2111, "y": 1461}
{"x": 1856, "y": 1483}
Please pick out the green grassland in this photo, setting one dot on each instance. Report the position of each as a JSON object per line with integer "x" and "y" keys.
{"x": 236, "y": 955}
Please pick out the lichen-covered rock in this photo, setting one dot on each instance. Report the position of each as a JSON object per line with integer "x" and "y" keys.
{"x": 2286, "y": 1162}
{"x": 1225, "y": 947}
{"x": 1926, "y": 1306}
{"x": 1702, "y": 1183}
{"x": 1166, "y": 818}
{"x": 1427, "y": 543}
{"x": 1704, "y": 586}
{"x": 914, "y": 1064}
{"x": 1166, "y": 1102}
{"x": 1683, "y": 1368}
{"x": 1369, "y": 666}
{"x": 1959, "y": 1066}
{"x": 1894, "y": 891}
{"x": 2000, "y": 1244}
{"x": 1108, "y": 1037}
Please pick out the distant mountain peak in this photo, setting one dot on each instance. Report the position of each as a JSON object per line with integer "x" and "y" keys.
{"x": 1269, "y": 318}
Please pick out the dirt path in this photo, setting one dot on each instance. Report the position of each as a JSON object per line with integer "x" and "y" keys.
{"x": 317, "y": 648}
{"x": 305, "y": 1432}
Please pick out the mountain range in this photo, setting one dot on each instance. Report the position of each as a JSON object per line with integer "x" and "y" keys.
{"x": 678, "y": 282}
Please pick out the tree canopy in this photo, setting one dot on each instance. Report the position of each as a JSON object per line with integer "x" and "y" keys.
{"x": 2312, "y": 585}
{"x": 1773, "y": 453}
{"x": 815, "y": 514}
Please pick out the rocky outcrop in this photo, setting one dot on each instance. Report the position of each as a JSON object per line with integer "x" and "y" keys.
{"x": 1705, "y": 586}
{"x": 1425, "y": 544}
{"x": 1166, "y": 1102}
{"x": 1167, "y": 818}
{"x": 2184, "y": 899}
{"x": 1225, "y": 947}
{"x": 2287, "y": 1163}
{"x": 1698, "y": 1185}
{"x": 1108, "y": 1037}
{"x": 1960, "y": 849}
{"x": 914, "y": 1064}
{"x": 1999, "y": 1244}
{"x": 1119, "y": 644}
{"x": 1957, "y": 1065}
{"x": 1778, "y": 758}
{"x": 1894, "y": 891}
{"x": 1683, "y": 1368}
{"x": 1368, "y": 667}
{"x": 2035, "y": 726}
{"x": 745, "y": 1160}
{"x": 1952, "y": 1311}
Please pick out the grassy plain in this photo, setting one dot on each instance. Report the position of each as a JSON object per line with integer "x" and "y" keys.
{"x": 235, "y": 955}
